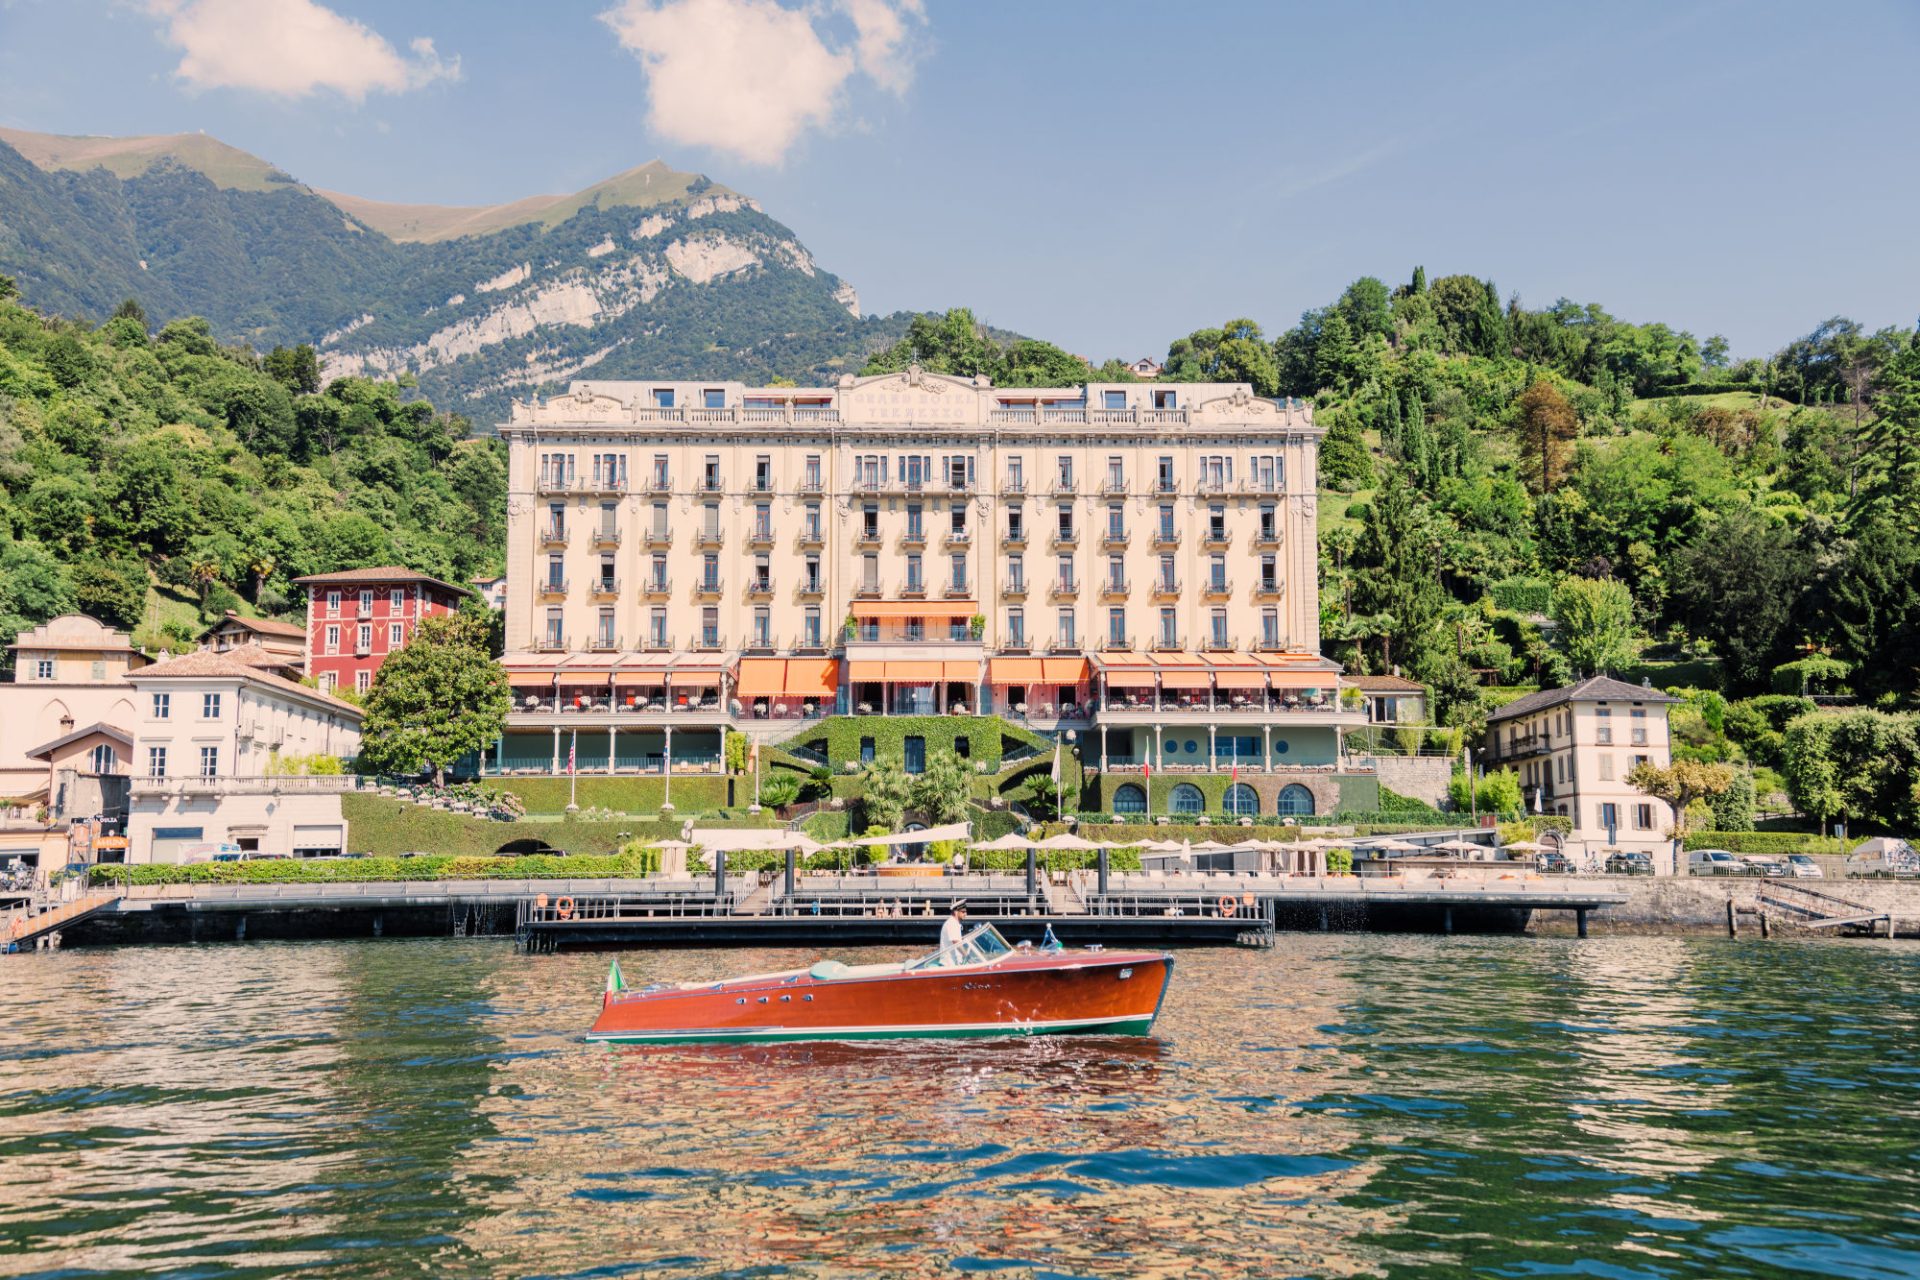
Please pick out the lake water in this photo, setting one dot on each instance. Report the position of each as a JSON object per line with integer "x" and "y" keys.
{"x": 1344, "y": 1105}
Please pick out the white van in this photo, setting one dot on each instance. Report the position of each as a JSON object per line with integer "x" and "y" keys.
{"x": 1717, "y": 862}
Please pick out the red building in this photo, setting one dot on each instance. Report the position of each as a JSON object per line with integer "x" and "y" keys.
{"x": 356, "y": 617}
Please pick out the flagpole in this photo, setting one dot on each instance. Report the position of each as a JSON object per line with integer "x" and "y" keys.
{"x": 573, "y": 771}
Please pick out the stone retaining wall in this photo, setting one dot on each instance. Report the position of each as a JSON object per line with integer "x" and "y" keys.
{"x": 1660, "y": 904}
{"x": 1418, "y": 777}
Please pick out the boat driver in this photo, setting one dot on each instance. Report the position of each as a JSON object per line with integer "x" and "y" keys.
{"x": 955, "y": 926}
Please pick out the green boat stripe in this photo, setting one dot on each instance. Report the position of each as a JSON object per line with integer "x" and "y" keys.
{"x": 1128, "y": 1024}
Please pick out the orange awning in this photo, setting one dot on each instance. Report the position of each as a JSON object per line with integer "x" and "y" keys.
{"x": 866, "y": 671}
{"x": 1232, "y": 660}
{"x": 967, "y": 671}
{"x": 530, "y": 679}
{"x": 812, "y": 677}
{"x": 1185, "y": 680}
{"x": 923, "y": 672}
{"x": 648, "y": 677}
{"x": 1302, "y": 679}
{"x": 914, "y": 608}
{"x": 761, "y": 677}
{"x": 699, "y": 676}
{"x": 1064, "y": 671}
{"x": 1177, "y": 659}
{"x": 1240, "y": 679}
{"x": 1014, "y": 671}
{"x": 1132, "y": 678}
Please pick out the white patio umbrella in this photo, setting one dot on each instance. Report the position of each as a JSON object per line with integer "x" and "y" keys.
{"x": 1390, "y": 846}
{"x": 1164, "y": 846}
{"x": 1458, "y": 846}
{"x": 1210, "y": 846}
{"x": 1527, "y": 846}
{"x": 1067, "y": 842}
{"x": 1009, "y": 841}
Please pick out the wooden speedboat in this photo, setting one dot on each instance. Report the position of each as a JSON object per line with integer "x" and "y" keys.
{"x": 979, "y": 986}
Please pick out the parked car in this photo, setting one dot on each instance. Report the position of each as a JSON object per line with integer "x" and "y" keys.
{"x": 1768, "y": 865}
{"x": 1717, "y": 862}
{"x": 1555, "y": 863}
{"x": 1802, "y": 866}
{"x": 1630, "y": 864}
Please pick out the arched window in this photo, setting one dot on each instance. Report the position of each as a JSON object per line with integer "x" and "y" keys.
{"x": 1295, "y": 800}
{"x": 1241, "y": 802}
{"x": 1128, "y": 798}
{"x": 1187, "y": 799}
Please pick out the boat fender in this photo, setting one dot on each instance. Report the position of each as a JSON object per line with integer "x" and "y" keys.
{"x": 563, "y": 908}
{"x": 1227, "y": 905}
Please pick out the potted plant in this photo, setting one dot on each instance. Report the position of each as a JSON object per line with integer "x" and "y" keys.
{"x": 977, "y": 625}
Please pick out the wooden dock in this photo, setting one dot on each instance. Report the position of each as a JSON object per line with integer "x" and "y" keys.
{"x": 1815, "y": 909}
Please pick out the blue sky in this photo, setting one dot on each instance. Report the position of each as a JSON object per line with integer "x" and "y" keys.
{"x": 1105, "y": 175}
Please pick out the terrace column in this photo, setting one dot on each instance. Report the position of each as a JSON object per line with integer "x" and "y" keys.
{"x": 666, "y": 771}
{"x": 1159, "y": 751}
{"x": 1267, "y": 730}
{"x": 556, "y": 748}
{"x": 1212, "y": 766}
{"x": 613, "y": 734}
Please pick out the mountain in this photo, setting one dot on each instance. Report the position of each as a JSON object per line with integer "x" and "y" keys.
{"x": 652, "y": 271}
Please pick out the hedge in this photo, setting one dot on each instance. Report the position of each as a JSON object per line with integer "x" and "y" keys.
{"x": 889, "y": 734}
{"x": 1223, "y": 834}
{"x": 642, "y": 794}
{"x": 384, "y": 827}
{"x": 352, "y": 870}
{"x": 1522, "y": 595}
{"x": 1775, "y": 843}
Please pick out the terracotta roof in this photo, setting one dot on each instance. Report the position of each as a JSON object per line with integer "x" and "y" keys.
{"x": 258, "y": 655}
{"x": 1592, "y": 689}
{"x": 208, "y": 664}
{"x": 112, "y": 731}
{"x": 1384, "y": 684}
{"x": 265, "y": 626}
{"x": 381, "y": 573}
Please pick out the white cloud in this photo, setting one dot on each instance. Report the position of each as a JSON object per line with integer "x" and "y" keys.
{"x": 291, "y": 49}
{"x": 750, "y": 76}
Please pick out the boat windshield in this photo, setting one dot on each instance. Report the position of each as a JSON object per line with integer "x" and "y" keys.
{"x": 978, "y": 947}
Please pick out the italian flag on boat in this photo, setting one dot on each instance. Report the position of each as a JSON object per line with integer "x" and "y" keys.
{"x": 616, "y": 982}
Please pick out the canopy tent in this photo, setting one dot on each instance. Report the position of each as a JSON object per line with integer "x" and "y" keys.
{"x": 952, "y": 831}
{"x": 737, "y": 839}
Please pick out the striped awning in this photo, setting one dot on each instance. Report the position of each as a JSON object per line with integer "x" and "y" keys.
{"x": 1190, "y": 678}
{"x": 812, "y": 677}
{"x": 1130, "y": 678}
{"x": 761, "y": 677}
{"x": 1015, "y": 670}
{"x": 1064, "y": 671}
{"x": 530, "y": 679}
{"x": 1240, "y": 679}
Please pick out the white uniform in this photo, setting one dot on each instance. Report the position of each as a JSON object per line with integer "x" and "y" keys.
{"x": 950, "y": 931}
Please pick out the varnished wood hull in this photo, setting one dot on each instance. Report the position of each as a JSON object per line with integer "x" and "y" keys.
{"x": 1070, "y": 993}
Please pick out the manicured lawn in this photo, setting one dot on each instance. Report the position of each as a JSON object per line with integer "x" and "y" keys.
{"x": 635, "y": 795}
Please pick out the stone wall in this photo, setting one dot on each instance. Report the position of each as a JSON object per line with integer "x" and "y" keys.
{"x": 1418, "y": 777}
{"x": 1661, "y": 904}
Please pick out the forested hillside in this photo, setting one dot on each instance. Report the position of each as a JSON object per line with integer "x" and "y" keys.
{"x": 156, "y": 480}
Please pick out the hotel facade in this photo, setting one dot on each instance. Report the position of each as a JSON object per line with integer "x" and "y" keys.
{"x": 1135, "y": 563}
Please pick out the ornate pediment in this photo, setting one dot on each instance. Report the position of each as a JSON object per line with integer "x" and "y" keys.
{"x": 1240, "y": 405}
{"x": 910, "y": 397}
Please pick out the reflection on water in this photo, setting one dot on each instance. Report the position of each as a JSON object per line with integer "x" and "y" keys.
{"x": 1343, "y": 1105}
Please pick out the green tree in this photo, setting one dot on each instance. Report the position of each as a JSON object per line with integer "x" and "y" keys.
{"x": 1367, "y": 308}
{"x": 945, "y": 789}
{"x": 1735, "y": 586}
{"x": 1344, "y": 462}
{"x": 1681, "y": 784}
{"x": 1595, "y": 620}
{"x": 1890, "y": 444}
{"x": 1394, "y": 570}
{"x": 1876, "y": 609}
{"x": 438, "y": 698}
{"x": 886, "y": 796}
{"x": 296, "y": 368}
{"x": 113, "y": 589}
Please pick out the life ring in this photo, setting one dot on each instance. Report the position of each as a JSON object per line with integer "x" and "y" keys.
{"x": 1228, "y": 905}
{"x": 563, "y": 907}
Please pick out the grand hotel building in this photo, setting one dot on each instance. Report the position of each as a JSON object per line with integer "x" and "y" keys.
{"x": 1135, "y": 561}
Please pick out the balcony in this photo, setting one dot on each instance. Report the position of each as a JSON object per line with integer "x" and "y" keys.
{"x": 958, "y": 591}
{"x": 760, "y": 538}
{"x": 809, "y": 540}
{"x": 659, "y": 539}
{"x": 553, "y": 535}
{"x": 959, "y": 537}
{"x": 914, "y": 540}
{"x": 1114, "y": 488}
{"x": 1165, "y": 588}
{"x": 1530, "y": 744}
{"x": 1064, "y": 645}
{"x": 1216, "y": 540}
{"x": 660, "y": 484}
{"x": 914, "y": 591}
{"x": 705, "y": 643}
{"x": 1217, "y": 588}
{"x": 762, "y": 485}
{"x": 657, "y": 587}
{"x": 1065, "y": 540}
{"x": 551, "y": 643}
{"x": 603, "y": 644}
{"x": 708, "y": 587}
{"x": 1015, "y": 642}
{"x": 1064, "y": 589}
{"x": 1168, "y": 642}
{"x": 270, "y": 785}
{"x": 713, "y": 484}
{"x": 1273, "y": 486}
{"x": 599, "y": 483}
{"x": 1267, "y": 589}
{"x": 1166, "y": 540}
{"x": 1166, "y": 486}
{"x": 812, "y": 589}
{"x": 656, "y": 643}
{"x": 1217, "y": 644}
{"x": 363, "y": 648}
{"x": 759, "y": 588}
{"x": 1114, "y": 539}
{"x": 553, "y": 587}
{"x": 760, "y": 644}
{"x": 710, "y": 538}
{"x": 604, "y": 587}
{"x": 1115, "y": 644}
{"x": 867, "y": 591}
{"x": 1115, "y": 589}
{"x": 867, "y": 540}
{"x": 1014, "y": 540}
{"x": 1013, "y": 487}
{"x": 1267, "y": 540}
{"x": 607, "y": 538}
{"x": 1064, "y": 487}
{"x": 1014, "y": 590}
{"x": 811, "y": 484}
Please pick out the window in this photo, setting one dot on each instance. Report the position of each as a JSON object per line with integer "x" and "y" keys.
{"x": 762, "y": 573}
{"x": 710, "y": 572}
{"x": 812, "y": 522}
{"x": 659, "y": 519}
{"x": 663, "y": 397}
{"x": 1016, "y": 572}
{"x": 1065, "y": 461}
{"x": 1117, "y": 573}
{"x": 1129, "y": 798}
{"x": 363, "y": 638}
{"x": 762, "y": 473}
{"x": 762, "y": 628}
{"x": 710, "y": 521}
{"x": 1216, "y": 471}
{"x": 1269, "y": 523}
{"x": 1169, "y": 629}
{"x": 209, "y": 762}
{"x": 870, "y": 522}
{"x": 156, "y": 762}
{"x": 209, "y": 706}
{"x": 1166, "y": 524}
{"x": 1066, "y": 522}
{"x": 710, "y": 473}
{"x": 1116, "y": 475}
{"x": 362, "y": 681}
{"x": 1217, "y": 627}
{"x": 366, "y": 603}
{"x": 657, "y": 628}
{"x": 866, "y": 751}
{"x": 811, "y": 569}
{"x": 1064, "y": 565}
{"x": 1240, "y": 801}
{"x": 1294, "y": 801}
{"x": 1166, "y": 399}
{"x": 556, "y": 633}
{"x": 606, "y": 573}
{"x": 609, "y": 519}
{"x": 102, "y": 759}
{"x": 662, "y": 477}
{"x": 810, "y": 472}
{"x": 963, "y": 747}
{"x": 603, "y": 629}
{"x": 810, "y": 627}
{"x": 659, "y": 574}
{"x": 1168, "y": 579}
{"x": 556, "y": 470}
{"x": 1269, "y": 574}
{"x": 958, "y": 527}
{"x": 914, "y": 581}
{"x": 1065, "y": 629}
{"x": 396, "y": 634}
{"x": 1016, "y": 629}
{"x": 1165, "y": 481}
{"x": 710, "y": 628}
{"x": 1267, "y": 471}
{"x": 1187, "y": 799}
{"x": 1643, "y": 817}
{"x": 333, "y": 603}
{"x": 913, "y": 630}
{"x": 959, "y": 580}
{"x": 1217, "y": 572}
{"x": 1638, "y": 727}
{"x": 916, "y": 526}
{"x": 1270, "y": 628}
{"x": 396, "y": 599}
{"x": 1609, "y": 819}
{"x": 1117, "y": 628}
{"x": 869, "y": 572}
{"x": 763, "y": 523}
{"x": 1117, "y": 523}
{"x": 1217, "y": 523}
{"x": 914, "y": 748}
{"x": 1606, "y": 767}
{"x": 162, "y": 705}
{"x": 1113, "y": 399}
{"x": 1016, "y": 475}
{"x": 556, "y": 573}
{"x": 1016, "y": 525}
{"x": 713, "y": 398}
{"x": 43, "y": 669}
